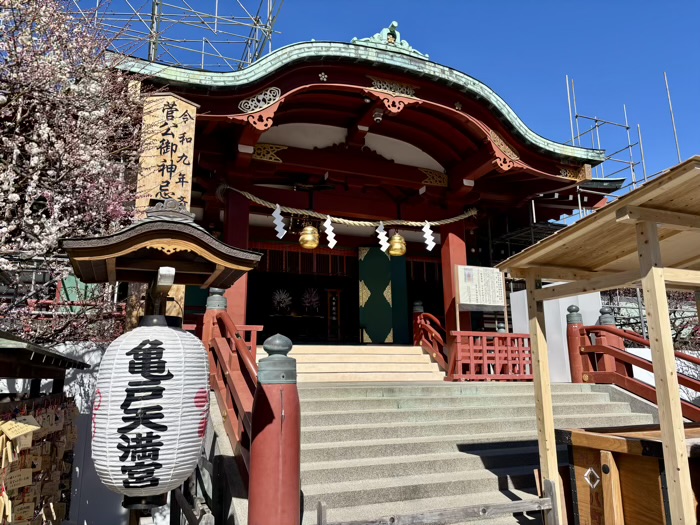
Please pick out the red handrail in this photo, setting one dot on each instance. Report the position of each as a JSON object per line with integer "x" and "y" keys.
{"x": 233, "y": 377}
{"x": 490, "y": 356}
{"x": 429, "y": 338}
{"x": 603, "y": 359}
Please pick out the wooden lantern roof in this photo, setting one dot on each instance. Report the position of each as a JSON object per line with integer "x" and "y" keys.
{"x": 167, "y": 237}
{"x": 22, "y": 359}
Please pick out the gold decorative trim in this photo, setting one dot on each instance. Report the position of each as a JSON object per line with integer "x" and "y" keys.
{"x": 390, "y": 337}
{"x": 387, "y": 294}
{"x": 268, "y": 152}
{"x": 364, "y": 294}
{"x": 505, "y": 148}
{"x": 365, "y": 336}
{"x": 434, "y": 178}
{"x": 362, "y": 253}
{"x": 582, "y": 173}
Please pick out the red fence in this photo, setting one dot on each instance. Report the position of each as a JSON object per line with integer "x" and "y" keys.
{"x": 488, "y": 356}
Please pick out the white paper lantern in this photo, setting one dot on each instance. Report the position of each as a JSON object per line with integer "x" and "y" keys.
{"x": 150, "y": 411}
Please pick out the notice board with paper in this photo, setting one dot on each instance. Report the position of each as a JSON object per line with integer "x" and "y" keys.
{"x": 480, "y": 289}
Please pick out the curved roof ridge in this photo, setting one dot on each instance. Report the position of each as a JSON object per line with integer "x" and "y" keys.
{"x": 307, "y": 51}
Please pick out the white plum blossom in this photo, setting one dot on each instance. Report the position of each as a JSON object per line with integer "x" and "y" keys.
{"x": 69, "y": 147}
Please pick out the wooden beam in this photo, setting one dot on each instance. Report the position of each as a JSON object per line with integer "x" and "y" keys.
{"x": 214, "y": 276}
{"x": 680, "y": 491}
{"x": 557, "y": 273}
{"x": 549, "y": 463}
{"x": 111, "y": 264}
{"x": 597, "y": 284}
{"x": 612, "y": 494}
{"x": 685, "y": 278}
{"x": 668, "y": 219}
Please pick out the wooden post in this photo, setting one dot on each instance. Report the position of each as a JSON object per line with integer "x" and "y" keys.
{"x": 574, "y": 322}
{"x": 275, "y": 450}
{"x": 680, "y": 493}
{"x": 612, "y": 494}
{"x": 453, "y": 252}
{"x": 549, "y": 464}
{"x": 237, "y": 217}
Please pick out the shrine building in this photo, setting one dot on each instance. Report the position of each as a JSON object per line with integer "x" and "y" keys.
{"x": 366, "y": 131}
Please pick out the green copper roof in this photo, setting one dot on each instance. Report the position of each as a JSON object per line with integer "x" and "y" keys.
{"x": 377, "y": 56}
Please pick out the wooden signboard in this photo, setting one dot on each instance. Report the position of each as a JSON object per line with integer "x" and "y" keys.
{"x": 166, "y": 162}
{"x": 168, "y": 150}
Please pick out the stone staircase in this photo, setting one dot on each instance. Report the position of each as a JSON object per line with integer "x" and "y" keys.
{"x": 365, "y": 363}
{"x": 373, "y": 450}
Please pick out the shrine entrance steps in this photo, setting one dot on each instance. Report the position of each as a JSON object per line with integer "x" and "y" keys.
{"x": 362, "y": 364}
{"x": 374, "y": 450}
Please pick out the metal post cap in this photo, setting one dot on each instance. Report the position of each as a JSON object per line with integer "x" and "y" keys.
{"x": 418, "y": 307}
{"x": 606, "y": 316}
{"x": 216, "y": 299}
{"x": 278, "y": 368}
{"x": 573, "y": 317}
{"x": 501, "y": 328}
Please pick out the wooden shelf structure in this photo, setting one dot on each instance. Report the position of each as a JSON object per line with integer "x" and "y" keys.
{"x": 648, "y": 238}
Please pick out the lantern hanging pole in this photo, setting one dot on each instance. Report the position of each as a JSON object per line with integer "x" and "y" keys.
{"x": 160, "y": 288}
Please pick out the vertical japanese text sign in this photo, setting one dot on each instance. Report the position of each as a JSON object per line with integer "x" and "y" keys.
{"x": 168, "y": 150}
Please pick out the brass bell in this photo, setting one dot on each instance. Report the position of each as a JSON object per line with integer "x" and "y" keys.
{"x": 308, "y": 238}
{"x": 397, "y": 245}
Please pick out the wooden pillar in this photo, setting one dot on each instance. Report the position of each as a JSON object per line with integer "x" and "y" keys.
{"x": 453, "y": 251}
{"x": 680, "y": 493}
{"x": 549, "y": 465}
{"x": 236, "y": 226}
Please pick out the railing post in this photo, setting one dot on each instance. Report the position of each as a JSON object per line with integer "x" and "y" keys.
{"x": 417, "y": 311}
{"x": 274, "y": 487}
{"x": 574, "y": 322}
{"x": 215, "y": 303}
{"x": 607, "y": 318}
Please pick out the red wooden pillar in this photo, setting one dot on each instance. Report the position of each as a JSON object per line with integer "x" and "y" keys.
{"x": 453, "y": 252}
{"x": 236, "y": 226}
{"x": 275, "y": 452}
{"x": 574, "y": 322}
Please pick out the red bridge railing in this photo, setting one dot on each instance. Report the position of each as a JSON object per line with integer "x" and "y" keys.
{"x": 489, "y": 356}
{"x": 428, "y": 333}
{"x": 597, "y": 354}
{"x": 260, "y": 411}
{"x": 474, "y": 356}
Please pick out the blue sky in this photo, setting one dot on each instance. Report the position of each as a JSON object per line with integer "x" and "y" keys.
{"x": 616, "y": 51}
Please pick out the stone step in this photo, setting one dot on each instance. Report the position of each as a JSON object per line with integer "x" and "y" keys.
{"x": 370, "y": 377}
{"x": 441, "y": 389}
{"x": 372, "y": 367}
{"x": 427, "y": 463}
{"x": 304, "y": 359}
{"x": 368, "y": 432}
{"x": 358, "y": 493}
{"x": 350, "y": 349}
{"x": 378, "y": 448}
{"x": 309, "y": 406}
{"x": 391, "y": 416}
{"x": 417, "y": 506}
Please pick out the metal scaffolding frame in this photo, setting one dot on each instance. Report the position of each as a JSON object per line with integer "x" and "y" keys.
{"x": 216, "y": 35}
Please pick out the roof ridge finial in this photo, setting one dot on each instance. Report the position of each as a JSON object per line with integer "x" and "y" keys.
{"x": 390, "y": 39}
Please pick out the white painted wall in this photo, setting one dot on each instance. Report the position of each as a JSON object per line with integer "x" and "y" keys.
{"x": 555, "y": 326}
